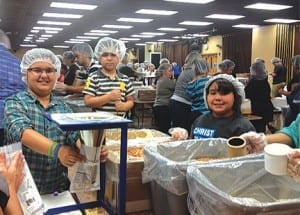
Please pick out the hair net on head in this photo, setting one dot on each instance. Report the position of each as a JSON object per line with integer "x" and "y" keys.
{"x": 69, "y": 55}
{"x": 275, "y": 60}
{"x": 226, "y": 64}
{"x": 260, "y": 71}
{"x": 83, "y": 48}
{"x": 236, "y": 84}
{"x": 164, "y": 60}
{"x": 36, "y": 55}
{"x": 200, "y": 66}
{"x": 296, "y": 61}
{"x": 110, "y": 45}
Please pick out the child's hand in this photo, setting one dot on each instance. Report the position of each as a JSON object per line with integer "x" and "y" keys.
{"x": 115, "y": 95}
{"x": 103, "y": 154}
{"x": 178, "y": 133}
{"x": 255, "y": 141}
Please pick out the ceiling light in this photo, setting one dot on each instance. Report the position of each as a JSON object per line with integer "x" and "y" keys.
{"x": 62, "y": 47}
{"x": 196, "y": 23}
{"x": 224, "y": 16}
{"x": 167, "y": 40}
{"x": 142, "y": 36}
{"x": 73, "y": 6}
{"x": 51, "y": 32}
{"x": 187, "y": 37}
{"x": 80, "y": 40}
{"x": 150, "y": 42}
{"x": 171, "y": 29}
{"x": 43, "y": 38}
{"x": 27, "y": 40}
{"x": 245, "y": 26}
{"x": 104, "y": 31}
{"x": 176, "y": 37}
{"x": 63, "y": 15}
{"x": 53, "y": 23}
{"x": 47, "y": 28}
{"x": 123, "y": 19}
{"x": 153, "y": 33}
{"x": 34, "y": 31}
{"x": 40, "y": 41}
{"x": 266, "y": 6}
{"x": 192, "y": 1}
{"x": 68, "y": 41}
{"x": 28, "y": 45}
{"x": 286, "y": 21}
{"x": 157, "y": 12}
{"x": 96, "y": 34}
{"x": 140, "y": 44}
{"x": 200, "y": 35}
{"x": 85, "y": 37}
{"x": 46, "y": 35}
{"x": 130, "y": 39}
{"x": 117, "y": 26}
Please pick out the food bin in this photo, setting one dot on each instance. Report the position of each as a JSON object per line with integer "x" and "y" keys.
{"x": 138, "y": 195}
{"x": 240, "y": 188}
{"x": 165, "y": 168}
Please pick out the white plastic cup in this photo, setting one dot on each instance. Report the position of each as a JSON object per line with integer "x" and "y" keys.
{"x": 276, "y": 160}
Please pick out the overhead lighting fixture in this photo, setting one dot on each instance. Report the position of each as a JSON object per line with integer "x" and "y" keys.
{"x": 266, "y": 6}
{"x": 171, "y": 29}
{"x": 245, "y": 26}
{"x": 157, "y": 12}
{"x": 62, "y": 47}
{"x": 86, "y": 37}
{"x": 167, "y": 40}
{"x": 196, "y": 23}
{"x": 153, "y": 33}
{"x": 73, "y": 6}
{"x": 150, "y": 42}
{"x": 34, "y": 31}
{"x": 285, "y": 21}
{"x": 69, "y": 41}
{"x": 80, "y": 40}
{"x": 123, "y": 19}
{"x": 140, "y": 44}
{"x": 53, "y": 23}
{"x": 200, "y": 35}
{"x": 142, "y": 36}
{"x": 192, "y": 1}
{"x": 187, "y": 37}
{"x": 224, "y": 16}
{"x": 95, "y": 34}
{"x": 40, "y": 41}
{"x": 63, "y": 15}
{"x": 47, "y": 28}
{"x": 117, "y": 26}
{"x": 130, "y": 39}
{"x": 46, "y": 35}
{"x": 28, "y": 45}
{"x": 104, "y": 31}
{"x": 51, "y": 32}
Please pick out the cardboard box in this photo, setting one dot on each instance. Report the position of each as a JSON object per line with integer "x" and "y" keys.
{"x": 138, "y": 195}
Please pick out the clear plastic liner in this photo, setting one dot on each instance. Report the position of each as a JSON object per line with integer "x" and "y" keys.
{"x": 167, "y": 163}
{"x": 240, "y": 187}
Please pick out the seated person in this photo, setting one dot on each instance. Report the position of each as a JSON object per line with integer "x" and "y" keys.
{"x": 223, "y": 95}
{"x": 48, "y": 150}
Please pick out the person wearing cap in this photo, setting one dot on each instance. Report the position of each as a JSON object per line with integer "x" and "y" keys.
{"x": 73, "y": 69}
{"x": 48, "y": 150}
{"x": 292, "y": 93}
{"x": 279, "y": 77}
{"x": 195, "y": 88}
{"x": 164, "y": 90}
{"x": 223, "y": 95}
{"x": 258, "y": 91}
{"x": 108, "y": 89}
{"x": 226, "y": 67}
{"x": 83, "y": 54}
{"x": 180, "y": 102}
{"x": 10, "y": 79}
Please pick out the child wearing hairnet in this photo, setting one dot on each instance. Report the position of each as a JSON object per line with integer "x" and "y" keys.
{"x": 48, "y": 150}
{"x": 109, "y": 90}
{"x": 195, "y": 88}
{"x": 223, "y": 95}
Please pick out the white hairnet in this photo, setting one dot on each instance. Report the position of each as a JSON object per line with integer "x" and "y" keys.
{"x": 37, "y": 55}
{"x": 83, "y": 48}
{"x": 275, "y": 60}
{"x": 110, "y": 45}
{"x": 236, "y": 83}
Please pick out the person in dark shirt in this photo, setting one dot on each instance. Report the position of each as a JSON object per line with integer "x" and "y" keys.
{"x": 279, "y": 77}
{"x": 126, "y": 70}
{"x": 73, "y": 69}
